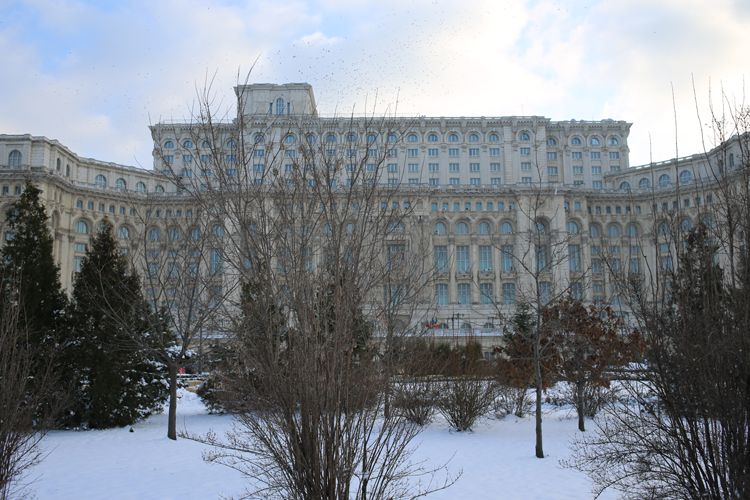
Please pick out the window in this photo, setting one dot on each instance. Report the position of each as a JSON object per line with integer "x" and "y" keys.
{"x": 523, "y": 136}
{"x": 625, "y": 186}
{"x": 614, "y": 155}
{"x": 664, "y": 180}
{"x": 506, "y": 261}
{"x": 594, "y": 231}
{"x": 462, "y": 259}
{"x": 664, "y": 228}
{"x": 82, "y": 227}
{"x": 552, "y": 156}
{"x": 526, "y": 180}
{"x": 525, "y": 151}
{"x": 453, "y": 152}
{"x": 577, "y": 155}
{"x": 473, "y": 138}
{"x": 473, "y": 151}
{"x": 486, "y": 293}
{"x": 541, "y": 257}
{"x": 441, "y": 259}
{"x": 393, "y": 167}
{"x": 90, "y": 205}
{"x": 595, "y": 155}
{"x": 434, "y": 182}
{"x": 613, "y": 231}
{"x": 596, "y": 170}
{"x": 572, "y": 227}
{"x": 575, "y": 141}
{"x": 495, "y": 181}
{"x": 635, "y": 264}
{"x": 509, "y": 293}
{"x": 158, "y": 188}
{"x": 596, "y": 184}
{"x": 462, "y": 228}
{"x": 412, "y": 153}
{"x": 552, "y": 170}
{"x": 111, "y": 209}
{"x": 453, "y": 167}
{"x": 474, "y": 167}
{"x": 594, "y": 141}
{"x": 551, "y": 142}
{"x": 464, "y": 293}
{"x": 412, "y": 138}
{"x": 441, "y": 295}
{"x": 439, "y": 227}
{"x": 100, "y": 181}
{"x": 140, "y": 187}
{"x": 685, "y": 177}
{"x": 475, "y": 181}
{"x": 525, "y": 165}
{"x": 413, "y": 167}
{"x": 215, "y": 264}
{"x": 505, "y": 227}
{"x": 484, "y": 228}
{"x": 101, "y": 207}
{"x": 485, "y": 258}
{"x": 453, "y": 138}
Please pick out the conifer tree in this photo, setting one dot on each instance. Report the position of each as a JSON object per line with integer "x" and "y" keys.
{"x": 116, "y": 381}
{"x": 29, "y": 268}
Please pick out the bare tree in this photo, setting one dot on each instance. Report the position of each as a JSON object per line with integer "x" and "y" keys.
{"x": 329, "y": 270}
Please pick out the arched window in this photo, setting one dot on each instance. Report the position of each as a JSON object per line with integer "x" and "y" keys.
{"x": 330, "y": 138}
{"x": 100, "y": 181}
{"x": 372, "y": 138}
{"x": 158, "y": 188}
{"x": 169, "y": 145}
{"x": 613, "y": 231}
{"x": 102, "y": 227}
{"x": 551, "y": 142}
{"x": 632, "y": 230}
{"x": 665, "y": 180}
{"x": 290, "y": 139}
{"x": 575, "y": 141}
{"x": 206, "y": 144}
{"x": 594, "y": 141}
{"x": 453, "y": 138}
{"x": 685, "y": 177}
{"x": 124, "y": 233}
{"x": 539, "y": 228}
{"x": 686, "y": 225}
{"x": 396, "y": 227}
{"x": 494, "y": 137}
{"x": 279, "y": 106}
{"x": 311, "y": 138}
{"x": 412, "y": 138}
{"x": 432, "y": 138}
{"x": 524, "y": 136}
{"x": 350, "y": 228}
{"x": 466, "y": 326}
{"x": 644, "y": 184}
{"x": 392, "y": 138}
{"x": 572, "y": 227}
{"x": 625, "y": 186}
{"x": 664, "y": 228}
{"x": 187, "y": 144}
{"x": 195, "y": 234}
{"x": 218, "y": 230}
{"x": 439, "y": 228}
{"x": 153, "y": 235}
{"x": 174, "y": 234}
{"x": 473, "y": 138}
{"x": 612, "y": 141}
{"x": 506, "y": 228}
{"x": 484, "y": 228}
{"x": 121, "y": 184}
{"x": 351, "y": 138}
{"x": 233, "y": 144}
{"x": 326, "y": 229}
{"x": 82, "y": 227}
{"x": 462, "y": 228}
{"x": 140, "y": 187}
{"x": 709, "y": 222}
{"x": 594, "y": 231}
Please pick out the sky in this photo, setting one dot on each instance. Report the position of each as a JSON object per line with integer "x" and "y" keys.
{"x": 94, "y": 74}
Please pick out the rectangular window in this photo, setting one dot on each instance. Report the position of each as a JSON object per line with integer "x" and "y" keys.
{"x": 526, "y": 180}
{"x": 372, "y": 152}
{"x": 525, "y": 151}
{"x": 494, "y": 167}
{"x": 455, "y": 181}
{"x": 395, "y": 256}
{"x": 507, "y": 258}
{"x": 574, "y": 257}
{"x": 215, "y": 261}
{"x": 478, "y": 207}
{"x": 509, "y": 294}
{"x": 635, "y": 265}
{"x": 413, "y": 167}
{"x": 258, "y": 167}
{"x": 526, "y": 165}
{"x": 596, "y": 170}
{"x": 441, "y": 295}
{"x": 545, "y": 292}
{"x": 577, "y": 155}
{"x": 432, "y": 152}
{"x": 80, "y": 247}
{"x": 412, "y": 153}
{"x": 486, "y": 293}
{"x": 101, "y": 207}
{"x": 577, "y": 205}
{"x": 541, "y": 257}
{"x": 393, "y": 167}
{"x": 453, "y": 167}
{"x": 595, "y": 155}
{"x": 434, "y": 182}
{"x": 441, "y": 257}
{"x": 290, "y": 153}
{"x": 259, "y": 153}
{"x": 616, "y": 265}
{"x": 495, "y": 181}
{"x": 552, "y": 156}
{"x": 485, "y": 258}
{"x": 393, "y": 152}
{"x": 494, "y": 151}
{"x": 462, "y": 259}
{"x": 434, "y": 167}
{"x": 578, "y": 183}
{"x": 392, "y": 181}
{"x": 122, "y": 210}
{"x": 413, "y": 181}
{"x": 596, "y": 266}
{"x": 552, "y": 170}
{"x": 473, "y": 151}
{"x": 169, "y": 159}
{"x": 77, "y": 264}
{"x": 464, "y": 293}
{"x": 576, "y": 291}
{"x": 111, "y": 209}
{"x": 578, "y": 170}
{"x": 475, "y": 181}
{"x": 473, "y": 167}
{"x": 596, "y": 184}
{"x": 91, "y": 205}
{"x": 453, "y": 151}
{"x": 372, "y": 167}
{"x": 614, "y": 155}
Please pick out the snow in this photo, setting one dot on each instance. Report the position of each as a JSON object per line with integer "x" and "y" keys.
{"x": 497, "y": 460}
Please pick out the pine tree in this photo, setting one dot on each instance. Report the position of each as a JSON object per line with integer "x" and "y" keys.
{"x": 116, "y": 382}
{"x": 29, "y": 269}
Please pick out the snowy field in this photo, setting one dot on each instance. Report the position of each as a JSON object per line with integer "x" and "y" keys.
{"x": 497, "y": 460}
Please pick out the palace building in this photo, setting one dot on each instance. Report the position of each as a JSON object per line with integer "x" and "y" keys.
{"x": 482, "y": 183}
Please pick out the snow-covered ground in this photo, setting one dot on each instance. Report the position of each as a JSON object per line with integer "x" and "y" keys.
{"x": 497, "y": 460}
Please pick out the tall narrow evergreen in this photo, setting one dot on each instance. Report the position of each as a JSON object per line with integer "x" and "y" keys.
{"x": 116, "y": 381}
{"x": 29, "y": 268}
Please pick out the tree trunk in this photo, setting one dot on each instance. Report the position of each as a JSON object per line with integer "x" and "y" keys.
{"x": 538, "y": 379}
{"x": 579, "y": 405}
{"x": 172, "y": 425}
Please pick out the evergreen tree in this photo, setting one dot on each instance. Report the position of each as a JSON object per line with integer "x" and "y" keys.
{"x": 116, "y": 381}
{"x": 29, "y": 269}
